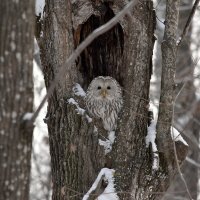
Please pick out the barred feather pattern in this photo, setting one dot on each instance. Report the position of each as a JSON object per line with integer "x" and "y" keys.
{"x": 105, "y": 108}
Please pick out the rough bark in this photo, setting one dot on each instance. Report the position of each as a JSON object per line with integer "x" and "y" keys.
{"x": 16, "y": 86}
{"x": 169, "y": 54}
{"x": 125, "y": 53}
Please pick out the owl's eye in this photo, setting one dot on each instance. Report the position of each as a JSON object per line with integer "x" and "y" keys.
{"x": 99, "y": 87}
{"x": 108, "y": 87}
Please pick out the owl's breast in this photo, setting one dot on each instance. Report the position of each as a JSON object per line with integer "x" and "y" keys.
{"x": 102, "y": 111}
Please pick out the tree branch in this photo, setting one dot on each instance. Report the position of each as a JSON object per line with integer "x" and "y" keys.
{"x": 168, "y": 148}
{"x": 169, "y": 54}
{"x": 166, "y": 111}
{"x": 187, "y": 25}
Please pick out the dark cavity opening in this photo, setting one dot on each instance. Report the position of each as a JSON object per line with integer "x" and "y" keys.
{"x": 103, "y": 57}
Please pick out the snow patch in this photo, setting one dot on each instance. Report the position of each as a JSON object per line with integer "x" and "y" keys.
{"x": 39, "y": 7}
{"x": 111, "y": 136}
{"x": 150, "y": 138}
{"x": 109, "y": 192}
{"x": 178, "y": 41}
{"x": 176, "y": 136}
{"x": 72, "y": 101}
{"x": 40, "y": 166}
{"x": 89, "y": 119}
{"x": 41, "y": 34}
{"x": 27, "y": 116}
{"x": 79, "y": 110}
{"x": 78, "y": 90}
{"x": 107, "y": 144}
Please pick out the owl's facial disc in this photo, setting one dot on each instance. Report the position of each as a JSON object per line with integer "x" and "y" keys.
{"x": 104, "y": 90}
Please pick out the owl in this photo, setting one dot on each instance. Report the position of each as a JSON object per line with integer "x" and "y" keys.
{"x": 104, "y": 100}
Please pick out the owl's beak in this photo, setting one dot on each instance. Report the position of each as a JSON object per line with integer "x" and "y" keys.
{"x": 103, "y": 93}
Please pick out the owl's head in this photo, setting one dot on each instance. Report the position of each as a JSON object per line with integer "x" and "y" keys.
{"x": 104, "y": 88}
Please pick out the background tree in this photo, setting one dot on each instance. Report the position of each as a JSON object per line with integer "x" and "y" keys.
{"x": 187, "y": 104}
{"x": 124, "y": 52}
{"x": 16, "y": 86}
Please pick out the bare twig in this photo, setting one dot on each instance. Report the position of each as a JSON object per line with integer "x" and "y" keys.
{"x": 193, "y": 162}
{"x": 97, "y": 32}
{"x": 187, "y": 25}
{"x": 175, "y": 151}
{"x": 157, "y": 5}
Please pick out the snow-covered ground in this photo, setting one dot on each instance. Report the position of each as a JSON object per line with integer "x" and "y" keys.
{"x": 40, "y": 187}
{"x": 40, "y": 170}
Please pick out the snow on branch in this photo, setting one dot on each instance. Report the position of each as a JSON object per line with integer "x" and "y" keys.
{"x": 176, "y": 136}
{"x": 109, "y": 192}
{"x": 78, "y": 90}
{"x": 107, "y": 144}
{"x": 79, "y": 110}
{"x": 150, "y": 138}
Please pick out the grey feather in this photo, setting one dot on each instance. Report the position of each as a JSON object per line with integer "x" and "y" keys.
{"x": 104, "y": 100}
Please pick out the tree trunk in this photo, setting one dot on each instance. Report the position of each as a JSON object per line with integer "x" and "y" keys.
{"x": 125, "y": 53}
{"x": 187, "y": 106}
{"x": 16, "y": 86}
